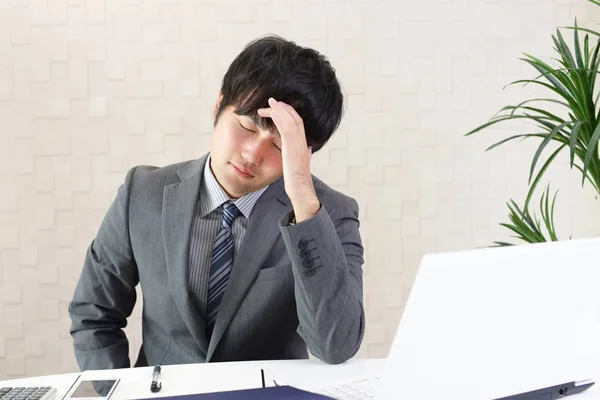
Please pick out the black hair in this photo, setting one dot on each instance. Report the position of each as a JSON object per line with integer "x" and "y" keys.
{"x": 301, "y": 77}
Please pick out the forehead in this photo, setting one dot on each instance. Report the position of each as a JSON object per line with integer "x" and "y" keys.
{"x": 264, "y": 124}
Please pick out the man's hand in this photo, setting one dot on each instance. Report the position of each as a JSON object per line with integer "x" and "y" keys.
{"x": 295, "y": 155}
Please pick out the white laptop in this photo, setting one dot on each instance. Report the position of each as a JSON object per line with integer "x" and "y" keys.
{"x": 496, "y": 322}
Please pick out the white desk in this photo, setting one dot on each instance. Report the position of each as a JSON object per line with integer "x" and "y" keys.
{"x": 203, "y": 378}
{"x": 212, "y": 377}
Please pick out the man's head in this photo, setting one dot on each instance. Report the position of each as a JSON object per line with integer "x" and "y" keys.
{"x": 245, "y": 148}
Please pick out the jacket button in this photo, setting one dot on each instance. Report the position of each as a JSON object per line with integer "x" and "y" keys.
{"x": 303, "y": 244}
{"x": 311, "y": 272}
{"x": 307, "y": 263}
{"x": 305, "y": 253}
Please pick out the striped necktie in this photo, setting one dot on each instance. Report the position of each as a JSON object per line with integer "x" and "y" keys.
{"x": 221, "y": 263}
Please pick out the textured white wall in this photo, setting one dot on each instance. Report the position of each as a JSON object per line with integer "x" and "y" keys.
{"x": 89, "y": 88}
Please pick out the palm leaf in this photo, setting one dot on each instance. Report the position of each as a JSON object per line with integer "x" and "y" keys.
{"x": 540, "y": 174}
{"x": 528, "y": 228}
{"x": 592, "y": 150}
{"x": 547, "y": 214}
{"x": 493, "y": 122}
{"x": 526, "y": 135}
{"x": 586, "y": 48}
{"x": 548, "y": 73}
{"x": 574, "y": 140}
{"x": 567, "y": 97}
{"x": 545, "y": 113}
{"x": 578, "y": 55}
{"x": 554, "y": 237}
{"x": 518, "y": 106}
{"x": 543, "y": 145}
{"x": 594, "y": 184}
{"x": 583, "y": 29}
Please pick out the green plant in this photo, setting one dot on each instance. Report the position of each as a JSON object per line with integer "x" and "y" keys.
{"x": 527, "y": 227}
{"x": 575, "y": 127}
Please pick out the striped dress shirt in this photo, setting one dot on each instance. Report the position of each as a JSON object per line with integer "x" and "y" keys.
{"x": 204, "y": 230}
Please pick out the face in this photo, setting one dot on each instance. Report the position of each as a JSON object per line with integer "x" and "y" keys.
{"x": 244, "y": 158}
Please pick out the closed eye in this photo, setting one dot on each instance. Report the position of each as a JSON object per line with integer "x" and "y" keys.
{"x": 243, "y": 127}
{"x": 251, "y": 130}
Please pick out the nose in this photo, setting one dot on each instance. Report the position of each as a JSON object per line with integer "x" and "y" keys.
{"x": 254, "y": 150}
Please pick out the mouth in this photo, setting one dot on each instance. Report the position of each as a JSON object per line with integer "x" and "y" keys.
{"x": 243, "y": 172}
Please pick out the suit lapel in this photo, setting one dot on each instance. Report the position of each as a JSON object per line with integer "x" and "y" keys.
{"x": 179, "y": 208}
{"x": 261, "y": 233}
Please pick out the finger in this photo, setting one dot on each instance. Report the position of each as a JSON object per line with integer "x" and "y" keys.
{"x": 288, "y": 111}
{"x": 279, "y": 108}
{"x": 274, "y": 104}
{"x": 264, "y": 112}
{"x": 280, "y": 116}
{"x": 292, "y": 111}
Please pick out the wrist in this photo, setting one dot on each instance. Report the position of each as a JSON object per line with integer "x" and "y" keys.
{"x": 306, "y": 209}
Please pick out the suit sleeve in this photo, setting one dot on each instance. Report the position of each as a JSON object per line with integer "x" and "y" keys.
{"x": 105, "y": 293}
{"x": 327, "y": 257}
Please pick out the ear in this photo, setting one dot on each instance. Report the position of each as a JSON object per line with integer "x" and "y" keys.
{"x": 217, "y": 105}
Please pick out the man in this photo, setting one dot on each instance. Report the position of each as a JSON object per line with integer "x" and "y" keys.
{"x": 242, "y": 254}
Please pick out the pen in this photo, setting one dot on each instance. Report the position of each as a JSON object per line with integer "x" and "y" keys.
{"x": 156, "y": 385}
{"x": 262, "y": 377}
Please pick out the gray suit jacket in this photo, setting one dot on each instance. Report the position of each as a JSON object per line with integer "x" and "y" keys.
{"x": 290, "y": 286}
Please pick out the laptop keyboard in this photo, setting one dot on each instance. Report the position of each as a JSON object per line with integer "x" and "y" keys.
{"x": 27, "y": 393}
{"x": 361, "y": 387}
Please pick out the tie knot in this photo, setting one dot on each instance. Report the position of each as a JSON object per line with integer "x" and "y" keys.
{"x": 230, "y": 212}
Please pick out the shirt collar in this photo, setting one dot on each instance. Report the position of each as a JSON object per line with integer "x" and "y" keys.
{"x": 213, "y": 195}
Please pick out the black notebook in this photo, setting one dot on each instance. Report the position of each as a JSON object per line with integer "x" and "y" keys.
{"x": 269, "y": 393}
